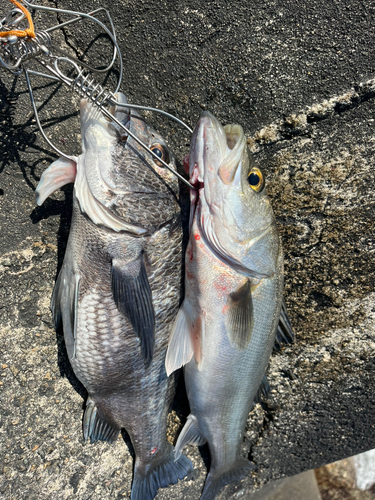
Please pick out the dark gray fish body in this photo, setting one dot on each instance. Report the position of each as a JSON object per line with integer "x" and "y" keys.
{"x": 118, "y": 291}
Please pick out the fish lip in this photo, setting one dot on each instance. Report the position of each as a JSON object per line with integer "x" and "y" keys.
{"x": 91, "y": 114}
{"x": 208, "y": 130}
{"x": 217, "y": 150}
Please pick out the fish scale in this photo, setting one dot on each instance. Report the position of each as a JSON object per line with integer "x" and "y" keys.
{"x": 225, "y": 330}
{"x": 119, "y": 289}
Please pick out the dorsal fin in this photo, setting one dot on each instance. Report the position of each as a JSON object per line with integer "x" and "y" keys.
{"x": 284, "y": 332}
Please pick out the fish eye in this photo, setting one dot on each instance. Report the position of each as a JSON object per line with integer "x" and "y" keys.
{"x": 162, "y": 152}
{"x": 256, "y": 179}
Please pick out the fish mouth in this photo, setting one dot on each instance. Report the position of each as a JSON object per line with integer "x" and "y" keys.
{"x": 195, "y": 180}
{"x": 216, "y": 151}
{"x": 91, "y": 115}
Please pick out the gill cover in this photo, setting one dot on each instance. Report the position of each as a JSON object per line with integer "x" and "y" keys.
{"x": 236, "y": 221}
{"x": 91, "y": 171}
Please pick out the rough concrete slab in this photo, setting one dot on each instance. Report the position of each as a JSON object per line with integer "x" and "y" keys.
{"x": 299, "y": 77}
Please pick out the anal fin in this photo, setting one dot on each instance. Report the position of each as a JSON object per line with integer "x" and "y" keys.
{"x": 239, "y": 319}
{"x": 95, "y": 428}
{"x": 132, "y": 294}
{"x": 190, "y": 434}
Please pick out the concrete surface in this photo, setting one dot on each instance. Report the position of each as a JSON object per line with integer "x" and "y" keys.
{"x": 299, "y": 77}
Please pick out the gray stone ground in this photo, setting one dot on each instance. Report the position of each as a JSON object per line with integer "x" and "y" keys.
{"x": 299, "y": 77}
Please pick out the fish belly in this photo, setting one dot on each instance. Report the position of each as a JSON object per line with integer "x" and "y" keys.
{"x": 106, "y": 355}
{"x": 222, "y": 389}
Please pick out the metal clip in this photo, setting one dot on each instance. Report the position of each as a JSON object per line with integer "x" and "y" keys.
{"x": 16, "y": 52}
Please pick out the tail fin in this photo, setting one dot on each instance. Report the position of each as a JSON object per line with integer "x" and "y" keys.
{"x": 167, "y": 471}
{"x": 218, "y": 479}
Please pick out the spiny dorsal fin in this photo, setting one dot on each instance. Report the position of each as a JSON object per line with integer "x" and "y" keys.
{"x": 284, "y": 332}
{"x": 132, "y": 294}
{"x": 240, "y": 317}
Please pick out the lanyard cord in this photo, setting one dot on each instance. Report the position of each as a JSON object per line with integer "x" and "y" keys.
{"x": 28, "y": 32}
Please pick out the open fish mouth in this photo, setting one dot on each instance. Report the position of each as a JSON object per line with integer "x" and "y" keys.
{"x": 194, "y": 179}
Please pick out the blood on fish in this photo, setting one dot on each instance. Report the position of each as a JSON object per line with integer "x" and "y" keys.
{"x": 197, "y": 237}
{"x": 220, "y": 287}
{"x": 190, "y": 254}
{"x": 153, "y": 451}
{"x": 189, "y": 275}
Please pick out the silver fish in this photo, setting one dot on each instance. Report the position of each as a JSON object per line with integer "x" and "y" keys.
{"x": 119, "y": 286}
{"x": 225, "y": 330}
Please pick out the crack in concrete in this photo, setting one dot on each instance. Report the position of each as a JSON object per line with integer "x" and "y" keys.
{"x": 64, "y": 32}
{"x": 298, "y": 124}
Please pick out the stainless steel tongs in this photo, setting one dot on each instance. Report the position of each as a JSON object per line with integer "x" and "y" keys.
{"x": 18, "y": 47}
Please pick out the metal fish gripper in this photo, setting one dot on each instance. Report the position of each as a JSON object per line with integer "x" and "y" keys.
{"x": 20, "y": 47}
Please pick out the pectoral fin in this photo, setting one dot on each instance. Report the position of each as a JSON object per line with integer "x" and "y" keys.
{"x": 59, "y": 173}
{"x": 64, "y": 305}
{"x": 239, "y": 319}
{"x": 132, "y": 294}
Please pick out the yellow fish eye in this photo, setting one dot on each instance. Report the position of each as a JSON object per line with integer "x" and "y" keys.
{"x": 256, "y": 179}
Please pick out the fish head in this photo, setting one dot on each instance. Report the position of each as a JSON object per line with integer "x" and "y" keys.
{"x": 233, "y": 210}
{"x": 117, "y": 174}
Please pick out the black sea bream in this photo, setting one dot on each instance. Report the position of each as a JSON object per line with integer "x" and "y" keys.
{"x": 226, "y": 327}
{"x": 118, "y": 290}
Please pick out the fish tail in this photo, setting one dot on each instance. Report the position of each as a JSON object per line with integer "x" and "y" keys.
{"x": 95, "y": 427}
{"x": 165, "y": 472}
{"x": 219, "y": 478}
